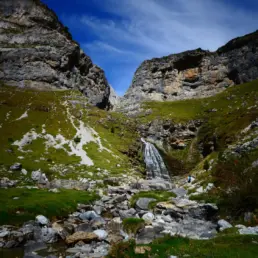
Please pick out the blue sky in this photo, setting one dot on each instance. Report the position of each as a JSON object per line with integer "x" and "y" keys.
{"x": 119, "y": 34}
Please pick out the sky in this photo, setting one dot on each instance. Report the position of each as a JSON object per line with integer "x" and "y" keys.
{"x": 119, "y": 35}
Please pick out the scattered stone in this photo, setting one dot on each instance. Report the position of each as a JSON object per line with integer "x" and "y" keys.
{"x": 148, "y": 234}
{"x": 16, "y": 167}
{"x": 102, "y": 234}
{"x": 55, "y": 190}
{"x": 69, "y": 184}
{"x": 81, "y": 236}
{"x": 88, "y": 215}
{"x": 148, "y": 217}
{"x": 39, "y": 177}
{"x": 84, "y": 227}
{"x": 142, "y": 249}
{"x": 6, "y": 182}
{"x": 24, "y": 172}
{"x": 143, "y": 203}
{"x": 42, "y": 220}
{"x": 127, "y": 213}
{"x": 60, "y": 230}
{"x": 48, "y": 235}
{"x": 248, "y": 231}
{"x": 223, "y": 224}
{"x": 33, "y": 246}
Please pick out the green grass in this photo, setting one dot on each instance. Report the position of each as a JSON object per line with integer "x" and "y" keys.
{"x": 178, "y": 111}
{"x": 160, "y": 196}
{"x": 117, "y": 133}
{"x": 223, "y": 247}
{"x": 33, "y": 202}
{"x": 133, "y": 225}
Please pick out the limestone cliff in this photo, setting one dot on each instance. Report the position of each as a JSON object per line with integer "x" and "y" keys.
{"x": 196, "y": 73}
{"x": 37, "y": 51}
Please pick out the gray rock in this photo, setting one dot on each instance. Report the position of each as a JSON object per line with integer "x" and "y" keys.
{"x": 180, "y": 192}
{"x": 33, "y": 246}
{"x": 45, "y": 55}
{"x": 148, "y": 234}
{"x": 223, "y": 224}
{"x": 97, "y": 222}
{"x": 6, "y": 182}
{"x": 206, "y": 211}
{"x": 69, "y": 184}
{"x": 249, "y": 231}
{"x": 102, "y": 234}
{"x": 127, "y": 213}
{"x": 84, "y": 227}
{"x": 16, "y": 167}
{"x": 42, "y": 220}
{"x": 148, "y": 217}
{"x": 39, "y": 177}
{"x": 143, "y": 203}
{"x": 88, "y": 215}
{"x": 48, "y": 235}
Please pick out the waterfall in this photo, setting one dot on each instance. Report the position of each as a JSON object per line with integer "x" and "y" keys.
{"x": 155, "y": 165}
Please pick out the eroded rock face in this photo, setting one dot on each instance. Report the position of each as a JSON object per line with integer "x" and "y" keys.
{"x": 196, "y": 73}
{"x": 37, "y": 51}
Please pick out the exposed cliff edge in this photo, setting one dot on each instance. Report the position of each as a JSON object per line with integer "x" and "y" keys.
{"x": 197, "y": 73}
{"x": 37, "y": 51}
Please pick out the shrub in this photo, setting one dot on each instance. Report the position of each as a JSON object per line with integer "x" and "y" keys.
{"x": 77, "y": 139}
{"x": 238, "y": 181}
{"x": 133, "y": 225}
{"x": 206, "y": 165}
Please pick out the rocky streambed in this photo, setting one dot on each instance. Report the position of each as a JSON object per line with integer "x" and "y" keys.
{"x": 93, "y": 229}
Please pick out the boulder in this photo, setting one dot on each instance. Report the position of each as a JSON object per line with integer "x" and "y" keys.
{"x": 88, "y": 215}
{"x": 42, "y": 220}
{"x": 223, "y": 224}
{"x": 102, "y": 234}
{"x": 48, "y": 235}
{"x": 86, "y": 237}
{"x": 16, "y": 167}
{"x": 148, "y": 217}
{"x": 248, "y": 231}
{"x": 39, "y": 177}
{"x": 143, "y": 203}
{"x": 6, "y": 182}
{"x": 69, "y": 184}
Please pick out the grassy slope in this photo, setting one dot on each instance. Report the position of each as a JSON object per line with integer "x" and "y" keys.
{"x": 224, "y": 246}
{"x": 236, "y": 108}
{"x": 34, "y": 202}
{"x": 48, "y": 108}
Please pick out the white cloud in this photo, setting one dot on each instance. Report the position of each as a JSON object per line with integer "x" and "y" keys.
{"x": 135, "y": 30}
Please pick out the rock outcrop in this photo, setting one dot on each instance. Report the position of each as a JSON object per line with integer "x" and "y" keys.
{"x": 197, "y": 73}
{"x": 37, "y": 51}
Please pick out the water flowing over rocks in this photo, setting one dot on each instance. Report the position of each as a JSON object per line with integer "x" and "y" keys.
{"x": 155, "y": 165}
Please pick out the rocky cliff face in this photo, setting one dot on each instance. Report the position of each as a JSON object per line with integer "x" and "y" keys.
{"x": 197, "y": 73}
{"x": 37, "y": 51}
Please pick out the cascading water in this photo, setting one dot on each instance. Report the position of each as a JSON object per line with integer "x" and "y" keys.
{"x": 155, "y": 165}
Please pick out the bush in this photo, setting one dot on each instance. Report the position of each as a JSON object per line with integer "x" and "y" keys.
{"x": 238, "y": 181}
{"x": 206, "y": 165}
{"x": 77, "y": 139}
{"x": 133, "y": 225}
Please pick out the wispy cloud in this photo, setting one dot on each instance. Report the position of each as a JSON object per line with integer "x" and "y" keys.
{"x": 137, "y": 30}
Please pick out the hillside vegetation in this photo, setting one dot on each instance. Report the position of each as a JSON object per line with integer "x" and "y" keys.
{"x": 60, "y": 134}
{"x": 227, "y": 140}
